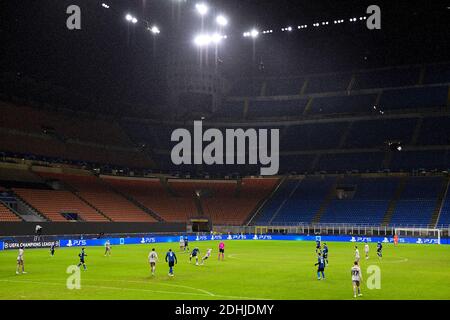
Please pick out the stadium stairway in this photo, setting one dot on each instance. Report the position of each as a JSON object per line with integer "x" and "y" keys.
{"x": 167, "y": 187}
{"x": 75, "y": 193}
{"x": 256, "y": 214}
{"x": 326, "y": 202}
{"x": 285, "y": 201}
{"x": 440, "y": 203}
{"x": 393, "y": 203}
{"x": 34, "y": 215}
{"x": 153, "y": 214}
{"x": 8, "y": 214}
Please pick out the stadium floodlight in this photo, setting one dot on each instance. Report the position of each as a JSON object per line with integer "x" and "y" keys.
{"x": 130, "y": 18}
{"x": 222, "y": 20}
{"x": 104, "y": 5}
{"x": 254, "y": 33}
{"x": 202, "y": 40}
{"x": 202, "y": 8}
{"x": 155, "y": 30}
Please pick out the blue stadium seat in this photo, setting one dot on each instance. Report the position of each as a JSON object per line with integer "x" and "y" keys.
{"x": 435, "y": 131}
{"x": 231, "y": 110}
{"x": 343, "y": 104}
{"x": 276, "y": 109}
{"x": 299, "y": 202}
{"x": 342, "y": 162}
{"x": 284, "y": 86}
{"x": 374, "y": 133}
{"x": 387, "y": 78}
{"x": 417, "y": 201}
{"x": 414, "y": 98}
{"x": 368, "y": 206}
{"x": 312, "y": 136}
{"x": 444, "y": 218}
{"x": 328, "y": 83}
{"x": 427, "y": 159}
{"x": 439, "y": 73}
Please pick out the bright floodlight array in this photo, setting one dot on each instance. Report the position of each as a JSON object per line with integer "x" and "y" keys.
{"x": 252, "y": 34}
{"x": 154, "y": 30}
{"x": 221, "y": 20}
{"x": 202, "y": 8}
{"x": 104, "y": 5}
{"x": 204, "y": 40}
{"x": 131, "y": 19}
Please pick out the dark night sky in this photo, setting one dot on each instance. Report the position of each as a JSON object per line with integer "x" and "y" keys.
{"x": 109, "y": 58}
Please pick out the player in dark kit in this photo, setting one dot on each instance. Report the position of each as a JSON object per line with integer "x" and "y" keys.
{"x": 325, "y": 252}
{"x": 194, "y": 254}
{"x": 52, "y": 250}
{"x": 318, "y": 249}
{"x": 186, "y": 243}
{"x": 379, "y": 250}
{"x": 171, "y": 258}
{"x": 320, "y": 267}
{"x": 82, "y": 255}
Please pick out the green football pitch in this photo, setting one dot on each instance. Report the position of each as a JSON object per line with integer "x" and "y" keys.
{"x": 251, "y": 270}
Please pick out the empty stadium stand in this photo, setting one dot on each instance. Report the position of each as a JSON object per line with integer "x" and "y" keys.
{"x": 297, "y": 201}
{"x": 96, "y": 193}
{"x": 222, "y": 201}
{"x": 59, "y": 206}
{"x": 367, "y": 205}
{"x": 417, "y": 201}
{"x": 6, "y": 215}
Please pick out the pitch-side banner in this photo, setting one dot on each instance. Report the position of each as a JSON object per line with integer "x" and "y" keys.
{"x": 27, "y": 244}
{"x": 175, "y": 240}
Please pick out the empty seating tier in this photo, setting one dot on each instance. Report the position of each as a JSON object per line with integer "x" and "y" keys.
{"x": 100, "y": 196}
{"x": 56, "y": 204}
{"x": 6, "y": 215}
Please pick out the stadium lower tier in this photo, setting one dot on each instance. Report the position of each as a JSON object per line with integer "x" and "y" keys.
{"x": 389, "y": 201}
{"x": 377, "y": 199}
{"x": 63, "y": 197}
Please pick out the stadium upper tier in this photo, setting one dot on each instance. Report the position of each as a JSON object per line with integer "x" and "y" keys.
{"x": 395, "y": 119}
{"x": 404, "y": 76}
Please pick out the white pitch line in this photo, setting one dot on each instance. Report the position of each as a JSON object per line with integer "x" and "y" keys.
{"x": 137, "y": 289}
{"x": 162, "y": 284}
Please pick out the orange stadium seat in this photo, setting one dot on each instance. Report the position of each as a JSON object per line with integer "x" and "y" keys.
{"x": 7, "y": 215}
{"x": 99, "y": 195}
{"x": 52, "y": 203}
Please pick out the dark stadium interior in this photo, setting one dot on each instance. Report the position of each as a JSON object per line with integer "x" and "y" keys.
{"x": 363, "y": 115}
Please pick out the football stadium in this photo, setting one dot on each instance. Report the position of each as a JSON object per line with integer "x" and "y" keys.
{"x": 224, "y": 150}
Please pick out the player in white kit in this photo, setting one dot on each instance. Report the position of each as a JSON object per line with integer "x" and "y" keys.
{"x": 152, "y": 258}
{"x": 357, "y": 256}
{"x": 356, "y": 279}
{"x": 207, "y": 255}
{"x": 20, "y": 263}
{"x": 107, "y": 248}
{"x": 181, "y": 244}
{"x": 366, "y": 250}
